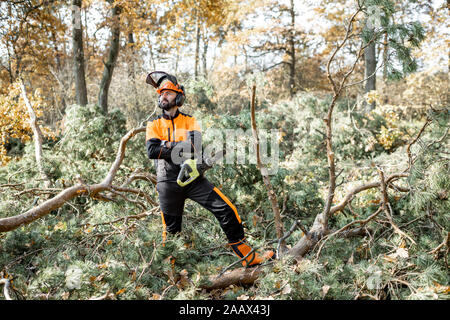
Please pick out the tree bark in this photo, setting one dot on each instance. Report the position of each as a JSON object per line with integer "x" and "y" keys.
{"x": 385, "y": 57}
{"x": 370, "y": 70}
{"x": 112, "y": 59}
{"x": 204, "y": 55}
{"x": 197, "y": 47}
{"x": 78, "y": 54}
{"x": 54, "y": 73}
{"x": 292, "y": 50}
{"x": 37, "y": 136}
{"x": 132, "y": 68}
{"x": 237, "y": 276}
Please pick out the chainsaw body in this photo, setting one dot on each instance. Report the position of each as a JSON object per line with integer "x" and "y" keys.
{"x": 191, "y": 170}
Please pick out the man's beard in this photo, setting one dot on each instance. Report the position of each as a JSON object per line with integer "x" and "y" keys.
{"x": 166, "y": 105}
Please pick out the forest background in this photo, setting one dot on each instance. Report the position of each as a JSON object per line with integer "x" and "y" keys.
{"x": 358, "y": 91}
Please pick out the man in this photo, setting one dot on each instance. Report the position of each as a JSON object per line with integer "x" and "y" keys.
{"x": 165, "y": 136}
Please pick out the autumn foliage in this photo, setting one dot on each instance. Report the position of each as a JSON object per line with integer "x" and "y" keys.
{"x": 361, "y": 195}
{"x": 14, "y": 120}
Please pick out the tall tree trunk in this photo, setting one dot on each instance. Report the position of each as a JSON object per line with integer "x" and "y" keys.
{"x": 205, "y": 53}
{"x": 197, "y": 47}
{"x": 370, "y": 69}
{"x": 385, "y": 57}
{"x": 112, "y": 58}
{"x": 132, "y": 68}
{"x": 78, "y": 54}
{"x": 292, "y": 51}
{"x": 62, "y": 94}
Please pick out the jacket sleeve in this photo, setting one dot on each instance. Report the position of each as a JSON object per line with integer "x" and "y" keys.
{"x": 156, "y": 148}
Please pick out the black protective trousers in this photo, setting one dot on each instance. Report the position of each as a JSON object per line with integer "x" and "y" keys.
{"x": 172, "y": 198}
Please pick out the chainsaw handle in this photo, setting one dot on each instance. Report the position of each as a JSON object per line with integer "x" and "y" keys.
{"x": 188, "y": 169}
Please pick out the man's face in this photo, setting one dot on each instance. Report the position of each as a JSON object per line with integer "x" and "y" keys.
{"x": 167, "y": 99}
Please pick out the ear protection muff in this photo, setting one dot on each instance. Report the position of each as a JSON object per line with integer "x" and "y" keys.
{"x": 179, "y": 100}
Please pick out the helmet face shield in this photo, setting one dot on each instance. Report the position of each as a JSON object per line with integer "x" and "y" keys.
{"x": 155, "y": 78}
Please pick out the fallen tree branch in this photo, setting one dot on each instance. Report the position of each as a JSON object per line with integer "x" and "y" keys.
{"x": 387, "y": 206}
{"x": 443, "y": 243}
{"x": 12, "y": 185}
{"x": 135, "y": 191}
{"x": 11, "y": 223}
{"x": 103, "y": 297}
{"x": 296, "y": 224}
{"x": 236, "y": 276}
{"x": 362, "y": 222}
{"x": 36, "y": 191}
{"x": 317, "y": 231}
{"x": 408, "y": 148}
{"x": 137, "y": 202}
{"x": 139, "y": 176}
{"x": 351, "y": 194}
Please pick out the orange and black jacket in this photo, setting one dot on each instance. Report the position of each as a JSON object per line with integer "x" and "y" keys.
{"x": 181, "y": 128}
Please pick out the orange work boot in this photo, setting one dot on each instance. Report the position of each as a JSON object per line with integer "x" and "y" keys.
{"x": 241, "y": 249}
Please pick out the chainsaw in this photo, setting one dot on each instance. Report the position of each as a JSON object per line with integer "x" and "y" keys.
{"x": 191, "y": 170}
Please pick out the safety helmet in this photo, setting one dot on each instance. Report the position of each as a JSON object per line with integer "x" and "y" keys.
{"x": 169, "y": 85}
{"x": 163, "y": 81}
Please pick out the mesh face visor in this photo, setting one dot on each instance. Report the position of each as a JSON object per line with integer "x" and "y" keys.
{"x": 155, "y": 78}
